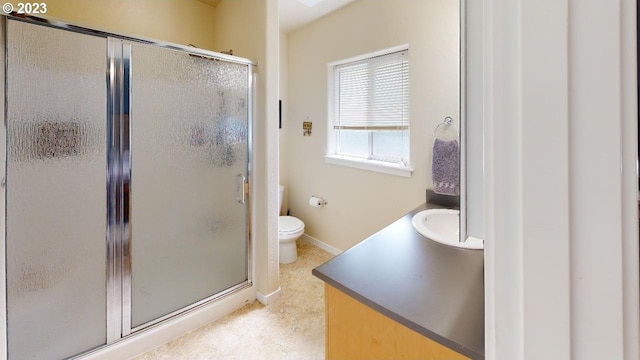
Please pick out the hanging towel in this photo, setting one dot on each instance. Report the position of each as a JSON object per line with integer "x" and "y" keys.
{"x": 445, "y": 167}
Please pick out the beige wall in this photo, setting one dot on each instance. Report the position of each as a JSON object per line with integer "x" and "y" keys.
{"x": 239, "y": 25}
{"x": 362, "y": 202}
{"x": 177, "y": 21}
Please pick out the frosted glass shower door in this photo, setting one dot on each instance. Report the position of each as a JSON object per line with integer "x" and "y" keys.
{"x": 56, "y": 194}
{"x": 189, "y": 154}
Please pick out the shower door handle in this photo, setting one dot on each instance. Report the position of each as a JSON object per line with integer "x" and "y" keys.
{"x": 242, "y": 191}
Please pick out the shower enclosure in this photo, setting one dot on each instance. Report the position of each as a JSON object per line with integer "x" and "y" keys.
{"x": 126, "y": 184}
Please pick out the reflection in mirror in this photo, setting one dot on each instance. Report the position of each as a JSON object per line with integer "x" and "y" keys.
{"x": 457, "y": 164}
{"x": 448, "y": 167}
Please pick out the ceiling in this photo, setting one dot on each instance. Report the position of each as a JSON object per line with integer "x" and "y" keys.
{"x": 296, "y": 13}
{"x": 213, "y": 3}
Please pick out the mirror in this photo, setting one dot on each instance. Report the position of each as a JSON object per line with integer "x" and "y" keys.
{"x": 468, "y": 198}
{"x": 472, "y": 161}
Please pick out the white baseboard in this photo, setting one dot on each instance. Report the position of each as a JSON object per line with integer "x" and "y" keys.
{"x": 269, "y": 298}
{"x": 165, "y": 332}
{"x": 324, "y": 246}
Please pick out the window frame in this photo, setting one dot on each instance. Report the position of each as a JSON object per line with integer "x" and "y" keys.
{"x": 378, "y": 164}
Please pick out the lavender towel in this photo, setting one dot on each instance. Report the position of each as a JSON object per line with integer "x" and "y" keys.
{"x": 445, "y": 167}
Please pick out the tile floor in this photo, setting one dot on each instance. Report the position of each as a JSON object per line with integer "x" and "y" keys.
{"x": 290, "y": 328}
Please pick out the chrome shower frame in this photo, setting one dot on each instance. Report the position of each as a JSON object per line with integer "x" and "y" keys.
{"x": 118, "y": 175}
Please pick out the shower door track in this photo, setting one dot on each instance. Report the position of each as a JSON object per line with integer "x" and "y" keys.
{"x": 118, "y": 175}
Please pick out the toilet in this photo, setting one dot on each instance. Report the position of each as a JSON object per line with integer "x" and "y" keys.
{"x": 289, "y": 230}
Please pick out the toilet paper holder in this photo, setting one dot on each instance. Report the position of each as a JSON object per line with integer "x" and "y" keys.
{"x": 317, "y": 201}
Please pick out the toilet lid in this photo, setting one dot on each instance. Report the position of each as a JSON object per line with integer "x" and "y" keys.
{"x": 289, "y": 224}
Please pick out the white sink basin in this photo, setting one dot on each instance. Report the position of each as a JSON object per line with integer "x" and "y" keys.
{"x": 443, "y": 226}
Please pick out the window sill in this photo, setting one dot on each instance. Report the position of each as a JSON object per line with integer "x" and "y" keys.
{"x": 371, "y": 165}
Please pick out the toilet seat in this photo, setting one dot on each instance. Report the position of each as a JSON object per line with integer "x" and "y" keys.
{"x": 289, "y": 225}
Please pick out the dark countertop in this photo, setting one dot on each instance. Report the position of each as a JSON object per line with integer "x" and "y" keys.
{"x": 431, "y": 288}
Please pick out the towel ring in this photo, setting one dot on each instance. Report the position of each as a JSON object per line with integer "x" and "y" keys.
{"x": 447, "y": 121}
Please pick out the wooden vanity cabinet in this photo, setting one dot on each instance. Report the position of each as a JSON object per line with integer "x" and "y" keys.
{"x": 355, "y": 331}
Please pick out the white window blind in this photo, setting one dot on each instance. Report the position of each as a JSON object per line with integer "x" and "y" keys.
{"x": 373, "y": 93}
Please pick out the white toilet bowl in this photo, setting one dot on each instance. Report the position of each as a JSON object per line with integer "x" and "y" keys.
{"x": 289, "y": 230}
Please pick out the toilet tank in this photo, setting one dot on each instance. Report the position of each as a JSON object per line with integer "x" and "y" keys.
{"x": 280, "y": 198}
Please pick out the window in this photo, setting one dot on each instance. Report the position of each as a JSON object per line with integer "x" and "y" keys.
{"x": 369, "y": 112}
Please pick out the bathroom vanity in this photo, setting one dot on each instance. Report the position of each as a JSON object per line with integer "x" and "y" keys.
{"x": 398, "y": 294}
